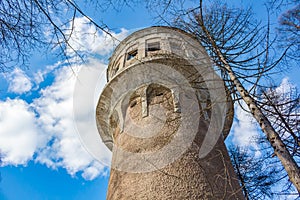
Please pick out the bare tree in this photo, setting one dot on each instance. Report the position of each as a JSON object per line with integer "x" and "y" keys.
{"x": 258, "y": 171}
{"x": 281, "y": 105}
{"x": 273, "y": 137}
{"x": 283, "y": 110}
{"x": 233, "y": 40}
{"x": 291, "y": 20}
{"x": 26, "y": 26}
{"x": 256, "y": 174}
{"x": 289, "y": 30}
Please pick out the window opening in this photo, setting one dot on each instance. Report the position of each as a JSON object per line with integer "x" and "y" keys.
{"x": 154, "y": 46}
{"x": 117, "y": 68}
{"x": 132, "y": 54}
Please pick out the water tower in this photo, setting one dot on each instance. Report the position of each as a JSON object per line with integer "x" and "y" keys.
{"x": 164, "y": 114}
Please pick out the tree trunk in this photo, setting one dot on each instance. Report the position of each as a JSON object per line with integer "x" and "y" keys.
{"x": 279, "y": 147}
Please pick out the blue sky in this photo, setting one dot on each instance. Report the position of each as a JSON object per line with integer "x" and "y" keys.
{"x": 44, "y": 157}
{"x": 37, "y": 106}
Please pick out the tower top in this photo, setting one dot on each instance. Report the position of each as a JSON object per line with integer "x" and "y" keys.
{"x": 170, "y": 58}
{"x": 144, "y": 44}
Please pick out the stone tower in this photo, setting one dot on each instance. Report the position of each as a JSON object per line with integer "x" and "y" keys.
{"x": 164, "y": 114}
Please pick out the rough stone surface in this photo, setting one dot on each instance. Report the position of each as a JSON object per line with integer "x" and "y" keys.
{"x": 154, "y": 113}
{"x": 187, "y": 178}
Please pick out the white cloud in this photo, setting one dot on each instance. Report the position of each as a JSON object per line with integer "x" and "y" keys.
{"x": 19, "y": 82}
{"x": 285, "y": 86}
{"x": 244, "y": 128}
{"x": 86, "y": 38}
{"x": 18, "y": 134}
{"x": 45, "y": 130}
{"x": 55, "y": 108}
{"x": 284, "y": 92}
{"x": 39, "y": 76}
{"x": 93, "y": 171}
{"x": 284, "y": 97}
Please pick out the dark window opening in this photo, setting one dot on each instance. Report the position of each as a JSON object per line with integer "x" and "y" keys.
{"x": 154, "y": 46}
{"x": 133, "y": 103}
{"x": 132, "y": 54}
{"x": 117, "y": 69}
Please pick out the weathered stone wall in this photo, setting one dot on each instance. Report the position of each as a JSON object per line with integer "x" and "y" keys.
{"x": 189, "y": 177}
{"x": 156, "y": 96}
